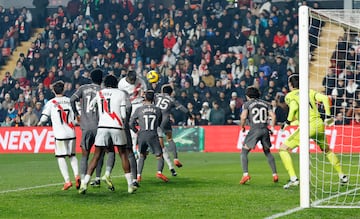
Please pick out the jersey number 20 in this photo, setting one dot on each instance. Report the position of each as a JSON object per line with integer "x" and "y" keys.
{"x": 259, "y": 115}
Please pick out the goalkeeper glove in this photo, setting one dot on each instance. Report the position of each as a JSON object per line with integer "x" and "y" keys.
{"x": 285, "y": 124}
{"x": 329, "y": 120}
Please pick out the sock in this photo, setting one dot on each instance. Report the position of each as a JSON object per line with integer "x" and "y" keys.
{"x": 74, "y": 165}
{"x": 140, "y": 165}
{"x": 86, "y": 179}
{"x": 83, "y": 166}
{"x": 334, "y": 162}
{"x": 271, "y": 161}
{"x": 133, "y": 167}
{"x": 160, "y": 165}
{"x": 244, "y": 160}
{"x": 172, "y": 147}
{"x": 97, "y": 178}
{"x": 129, "y": 178}
{"x": 110, "y": 163}
{"x": 287, "y": 161}
{"x": 167, "y": 158}
{"x": 63, "y": 168}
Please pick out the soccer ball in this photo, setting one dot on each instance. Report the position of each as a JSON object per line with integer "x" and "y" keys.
{"x": 152, "y": 76}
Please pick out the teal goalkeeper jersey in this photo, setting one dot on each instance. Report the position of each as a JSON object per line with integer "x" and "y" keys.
{"x": 292, "y": 100}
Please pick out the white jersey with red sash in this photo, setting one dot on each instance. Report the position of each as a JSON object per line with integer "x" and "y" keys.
{"x": 111, "y": 103}
{"x": 62, "y": 117}
{"x": 134, "y": 90}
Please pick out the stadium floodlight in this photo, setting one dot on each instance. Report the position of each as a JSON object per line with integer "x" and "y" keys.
{"x": 325, "y": 40}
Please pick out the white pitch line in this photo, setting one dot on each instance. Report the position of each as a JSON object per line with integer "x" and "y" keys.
{"x": 285, "y": 213}
{"x": 30, "y": 188}
{"x": 39, "y": 187}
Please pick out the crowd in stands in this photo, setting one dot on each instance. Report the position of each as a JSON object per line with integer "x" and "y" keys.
{"x": 209, "y": 52}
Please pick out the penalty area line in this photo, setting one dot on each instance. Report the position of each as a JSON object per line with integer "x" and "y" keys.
{"x": 282, "y": 214}
{"x": 30, "y": 188}
{"x": 39, "y": 187}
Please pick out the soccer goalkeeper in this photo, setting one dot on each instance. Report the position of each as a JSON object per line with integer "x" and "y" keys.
{"x": 317, "y": 129}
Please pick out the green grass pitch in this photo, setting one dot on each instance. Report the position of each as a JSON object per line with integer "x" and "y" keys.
{"x": 207, "y": 186}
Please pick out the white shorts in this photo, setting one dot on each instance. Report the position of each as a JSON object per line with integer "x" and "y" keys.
{"x": 65, "y": 147}
{"x": 109, "y": 137}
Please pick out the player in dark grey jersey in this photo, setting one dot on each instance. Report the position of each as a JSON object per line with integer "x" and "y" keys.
{"x": 149, "y": 118}
{"x": 257, "y": 112}
{"x": 88, "y": 118}
{"x": 166, "y": 103}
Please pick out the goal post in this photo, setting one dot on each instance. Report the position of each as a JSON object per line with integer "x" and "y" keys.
{"x": 304, "y": 100}
{"x": 329, "y": 55}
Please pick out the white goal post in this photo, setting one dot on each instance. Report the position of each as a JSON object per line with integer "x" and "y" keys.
{"x": 327, "y": 39}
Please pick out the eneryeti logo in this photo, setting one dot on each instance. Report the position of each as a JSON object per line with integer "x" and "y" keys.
{"x": 31, "y": 140}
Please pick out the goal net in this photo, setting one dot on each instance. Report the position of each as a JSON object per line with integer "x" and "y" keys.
{"x": 332, "y": 66}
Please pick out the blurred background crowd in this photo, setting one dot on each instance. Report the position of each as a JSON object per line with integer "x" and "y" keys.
{"x": 210, "y": 51}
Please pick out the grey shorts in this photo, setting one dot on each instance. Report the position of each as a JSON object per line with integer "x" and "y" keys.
{"x": 146, "y": 140}
{"x": 256, "y": 135}
{"x": 88, "y": 138}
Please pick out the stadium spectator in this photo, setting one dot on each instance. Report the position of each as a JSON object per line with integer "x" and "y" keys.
{"x": 217, "y": 115}
{"x": 7, "y": 122}
{"x": 29, "y": 118}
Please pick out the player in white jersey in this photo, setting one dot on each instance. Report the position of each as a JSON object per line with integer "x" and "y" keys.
{"x": 111, "y": 105}
{"x": 62, "y": 117}
{"x": 135, "y": 88}
{"x": 88, "y": 123}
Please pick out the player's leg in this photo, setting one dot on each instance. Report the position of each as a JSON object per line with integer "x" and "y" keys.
{"x": 290, "y": 143}
{"x": 60, "y": 154}
{"x": 134, "y": 144}
{"x": 97, "y": 181}
{"x": 166, "y": 155}
{"x": 71, "y": 144}
{"x": 101, "y": 141}
{"x": 317, "y": 132}
{"x": 84, "y": 162}
{"x": 110, "y": 162}
{"x": 172, "y": 147}
{"x": 244, "y": 163}
{"x": 64, "y": 172}
{"x": 109, "y": 166}
{"x": 141, "y": 161}
{"x": 85, "y": 151}
{"x": 156, "y": 148}
{"x": 249, "y": 143}
{"x": 132, "y": 159}
{"x": 124, "y": 155}
{"x": 91, "y": 167}
{"x": 266, "y": 143}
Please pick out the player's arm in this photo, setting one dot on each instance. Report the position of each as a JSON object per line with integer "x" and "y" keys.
{"x": 243, "y": 116}
{"x": 325, "y": 100}
{"x": 132, "y": 122}
{"x": 293, "y": 109}
{"x": 45, "y": 114}
{"x": 73, "y": 99}
{"x": 319, "y": 97}
{"x": 179, "y": 106}
{"x": 273, "y": 120}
